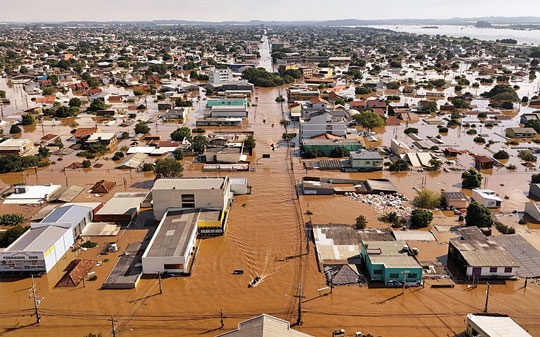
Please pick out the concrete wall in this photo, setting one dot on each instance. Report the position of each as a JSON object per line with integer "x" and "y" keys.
{"x": 485, "y": 272}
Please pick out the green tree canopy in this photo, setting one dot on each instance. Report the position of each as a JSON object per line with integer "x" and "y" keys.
{"x": 478, "y": 215}
{"x": 142, "y": 127}
{"x": 249, "y": 144}
{"x": 199, "y": 143}
{"x": 361, "y": 222}
{"x": 28, "y": 119}
{"x": 181, "y": 133}
{"x": 399, "y": 165}
{"x": 471, "y": 179}
{"x": 96, "y": 105}
{"x": 427, "y": 199}
{"x": 421, "y": 218}
{"x": 368, "y": 120}
{"x": 168, "y": 168}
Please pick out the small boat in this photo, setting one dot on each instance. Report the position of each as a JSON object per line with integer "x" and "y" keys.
{"x": 254, "y": 282}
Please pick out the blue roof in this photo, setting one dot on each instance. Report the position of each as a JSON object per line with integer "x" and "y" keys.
{"x": 67, "y": 214}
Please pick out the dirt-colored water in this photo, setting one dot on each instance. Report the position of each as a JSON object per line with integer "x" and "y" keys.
{"x": 265, "y": 237}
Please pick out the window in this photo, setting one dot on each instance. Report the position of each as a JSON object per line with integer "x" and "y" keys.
{"x": 507, "y": 269}
{"x": 377, "y": 272}
{"x": 394, "y": 275}
{"x": 413, "y": 275}
{"x": 188, "y": 200}
{"x": 492, "y": 269}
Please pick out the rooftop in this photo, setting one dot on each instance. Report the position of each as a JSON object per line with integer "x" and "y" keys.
{"x": 38, "y": 239}
{"x": 498, "y": 326}
{"x": 190, "y": 183}
{"x": 172, "y": 235}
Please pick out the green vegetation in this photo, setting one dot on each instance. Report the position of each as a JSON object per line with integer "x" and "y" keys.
{"x": 15, "y": 129}
{"x": 504, "y": 229}
{"x": 391, "y": 218}
{"x": 501, "y": 154}
{"x": 368, "y": 120}
{"x": 199, "y": 143}
{"x": 142, "y": 127}
{"x": 399, "y": 165}
{"x": 427, "y": 199}
{"x": 8, "y": 236}
{"x": 527, "y": 156}
{"x": 168, "y": 168}
{"x": 262, "y": 78}
{"x": 478, "y": 215}
{"x": 178, "y": 154}
{"x": 471, "y": 179}
{"x": 89, "y": 244}
{"x": 11, "y": 163}
{"x": 501, "y": 93}
{"x": 181, "y": 133}
{"x": 249, "y": 144}
{"x": 361, "y": 222}
{"x": 11, "y": 219}
{"x": 411, "y": 130}
{"x": 421, "y": 218}
{"x": 28, "y": 119}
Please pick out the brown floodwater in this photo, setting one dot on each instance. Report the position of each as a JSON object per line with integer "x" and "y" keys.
{"x": 265, "y": 237}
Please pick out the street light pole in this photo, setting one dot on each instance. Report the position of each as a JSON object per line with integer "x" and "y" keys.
{"x": 405, "y": 272}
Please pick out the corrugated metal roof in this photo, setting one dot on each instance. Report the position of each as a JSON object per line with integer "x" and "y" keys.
{"x": 72, "y": 214}
{"x": 173, "y": 233}
{"x": 123, "y": 203}
{"x": 498, "y": 326}
{"x": 404, "y": 261}
{"x": 38, "y": 239}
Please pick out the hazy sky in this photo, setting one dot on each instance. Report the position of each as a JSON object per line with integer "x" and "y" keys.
{"x": 245, "y": 10}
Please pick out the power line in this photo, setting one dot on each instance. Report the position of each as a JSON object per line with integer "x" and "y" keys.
{"x": 37, "y": 300}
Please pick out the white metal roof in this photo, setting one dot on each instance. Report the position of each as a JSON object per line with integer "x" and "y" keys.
{"x": 495, "y": 326}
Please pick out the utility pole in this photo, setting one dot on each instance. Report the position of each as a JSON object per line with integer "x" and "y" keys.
{"x": 112, "y": 325}
{"x": 37, "y": 301}
{"x": 159, "y": 281}
{"x": 221, "y": 318}
{"x": 299, "y": 319}
{"x": 487, "y": 298}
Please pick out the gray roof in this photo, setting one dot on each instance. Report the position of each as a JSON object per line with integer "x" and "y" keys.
{"x": 189, "y": 183}
{"x": 525, "y": 254}
{"x": 454, "y": 195}
{"x": 390, "y": 254}
{"x": 479, "y": 251}
{"x": 366, "y": 155}
{"x": 264, "y": 326}
{"x": 381, "y": 185}
{"x": 38, "y": 239}
{"x": 123, "y": 203}
{"x": 67, "y": 214}
{"x": 173, "y": 234}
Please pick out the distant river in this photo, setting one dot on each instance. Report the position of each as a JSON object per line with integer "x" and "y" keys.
{"x": 490, "y": 34}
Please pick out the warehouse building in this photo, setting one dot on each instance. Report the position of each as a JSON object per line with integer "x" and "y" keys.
{"x": 41, "y": 247}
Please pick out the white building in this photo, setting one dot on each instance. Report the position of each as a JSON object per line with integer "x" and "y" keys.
{"x": 221, "y": 76}
{"x": 186, "y": 193}
{"x": 532, "y": 209}
{"x": 398, "y": 147}
{"x": 493, "y": 326}
{"x": 486, "y": 197}
{"x": 264, "y": 326}
{"x": 172, "y": 246}
{"x": 26, "y": 194}
{"x": 41, "y": 247}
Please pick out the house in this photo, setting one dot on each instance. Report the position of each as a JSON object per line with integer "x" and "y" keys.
{"x": 483, "y": 163}
{"x": 317, "y": 123}
{"x": 104, "y": 138}
{"x": 532, "y": 209}
{"x": 520, "y": 132}
{"x": 389, "y": 261}
{"x": 398, "y": 147}
{"x": 264, "y": 326}
{"x": 121, "y": 208}
{"x": 486, "y": 197}
{"x": 18, "y": 147}
{"x": 366, "y": 161}
{"x": 301, "y": 94}
{"x": 37, "y": 194}
{"x": 476, "y": 256}
{"x": 527, "y": 117}
{"x": 82, "y": 134}
{"x": 457, "y": 200}
{"x": 493, "y": 325}
{"x": 179, "y": 114}
{"x": 325, "y": 146}
{"x": 103, "y": 186}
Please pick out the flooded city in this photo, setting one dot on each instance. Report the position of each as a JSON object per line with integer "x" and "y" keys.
{"x": 269, "y": 235}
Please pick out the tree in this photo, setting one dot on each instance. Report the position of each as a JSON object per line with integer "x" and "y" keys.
{"x": 199, "y": 143}
{"x": 8, "y": 236}
{"x": 86, "y": 163}
{"x": 399, "y": 165}
{"x": 168, "y": 168}
{"x": 501, "y": 154}
{"x": 431, "y": 106}
{"x": 181, "y": 133}
{"x": 28, "y": 119}
{"x": 14, "y": 129}
{"x": 96, "y": 105}
{"x": 535, "y": 178}
{"x": 471, "y": 179}
{"x": 478, "y": 215}
{"x": 421, "y": 218}
{"x": 427, "y": 199}
{"x": 527, "y": 156}
{"x": 435, "y": 163}
{"x": 369, "y": 120}
{"x": 142, "y": 127}
{"x": 249, "y": 144}
{"x": 75, "y": 101}
{"x": 361, "y": 222}
{"x": 178, "y": 154}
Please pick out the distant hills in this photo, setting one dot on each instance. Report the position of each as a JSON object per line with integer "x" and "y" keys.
{"x": 494, "y": 20}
